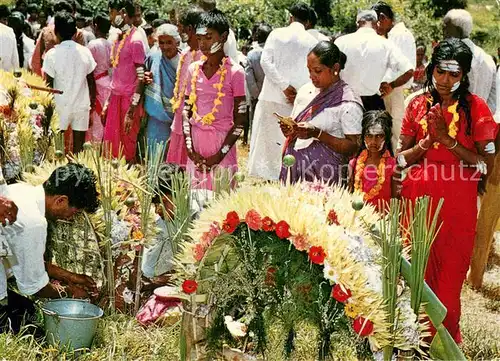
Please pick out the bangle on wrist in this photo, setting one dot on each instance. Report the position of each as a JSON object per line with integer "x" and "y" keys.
{"x": 319, "y": 134}
{"x": 421, "y": 146}
{"x": 453, "y": 146}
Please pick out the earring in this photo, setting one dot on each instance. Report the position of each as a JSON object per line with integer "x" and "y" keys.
{"x": 336, "y": 73}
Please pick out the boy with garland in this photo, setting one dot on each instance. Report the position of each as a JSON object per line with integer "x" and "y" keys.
{"x": 215, "y": 109}
{"x": 177, "y": 152}
{"x": 122, "y": 111}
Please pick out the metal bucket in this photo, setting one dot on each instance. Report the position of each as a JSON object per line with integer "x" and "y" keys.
{"x": 71, "y": 323}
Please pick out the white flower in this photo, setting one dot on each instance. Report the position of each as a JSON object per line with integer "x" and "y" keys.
{"x": 329, "y": 273}
{"x": 128, "y": 296}
{"x": 374, "y": 278}
{"x": 236, "y": 329}
{"x": 120, "y": 230}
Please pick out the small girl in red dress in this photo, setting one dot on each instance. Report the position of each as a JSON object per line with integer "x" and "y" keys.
{"x": 371, "y": 172}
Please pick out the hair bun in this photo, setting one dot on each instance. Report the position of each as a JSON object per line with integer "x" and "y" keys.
{"x": 342, "y": 60}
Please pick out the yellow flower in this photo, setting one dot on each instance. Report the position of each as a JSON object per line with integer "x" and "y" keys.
{"x": 351, "y": 310}
{"x": 137, "y": 235}
{"x": 217, "y": 102}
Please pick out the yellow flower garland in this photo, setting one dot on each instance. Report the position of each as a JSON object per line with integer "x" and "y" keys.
{"x": 452, "y": 127}
{"x": 179, "y": 95}
{"x": 115, "y": 58}
{"x": 360, "y": 169}
{"x": 208, "y": 118}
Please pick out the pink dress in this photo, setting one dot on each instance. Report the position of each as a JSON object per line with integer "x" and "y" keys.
{"x": 123, "y": 84}
{"x": 101, "y": 51}
{"x": 177, "y": 152}
{"x": 208, "y": 139}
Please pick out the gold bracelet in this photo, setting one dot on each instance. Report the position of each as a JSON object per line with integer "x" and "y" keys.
{"x": 420, "y": 145}
{"x": 454, "y": 145}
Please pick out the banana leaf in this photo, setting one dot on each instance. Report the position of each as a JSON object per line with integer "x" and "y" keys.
{"x": 443, "y": 347}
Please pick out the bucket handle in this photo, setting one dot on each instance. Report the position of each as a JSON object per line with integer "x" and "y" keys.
{"x": 52, "y": 314}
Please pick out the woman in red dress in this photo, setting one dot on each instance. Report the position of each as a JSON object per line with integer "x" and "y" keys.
{"x": 448, "y": 135}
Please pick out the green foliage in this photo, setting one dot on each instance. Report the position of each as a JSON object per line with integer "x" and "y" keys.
{"x": 268, "y": 282}
{"x": 441, "y": 7}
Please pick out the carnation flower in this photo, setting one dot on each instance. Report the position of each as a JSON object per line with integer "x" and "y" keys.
{"x": 363, "y": 326}
{"x": 332, "y": 217}
{"x": 299, "y": 242}
{"x": 189, "y": 286}
{"x": 340, "y": 293}
{"x": 317, "y": 255}
{"x": 268, "y": 224}
{"x": 199, "y": 251}
{"x": 253, "y": 220}
{"x": 283, "y": 230}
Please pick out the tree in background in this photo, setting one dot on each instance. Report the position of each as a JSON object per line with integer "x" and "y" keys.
{"x": 441, "y": 7}
{"x": 323, "y": 9}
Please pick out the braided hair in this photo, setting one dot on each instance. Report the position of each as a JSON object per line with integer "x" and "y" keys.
{"x": 452, "y": 49}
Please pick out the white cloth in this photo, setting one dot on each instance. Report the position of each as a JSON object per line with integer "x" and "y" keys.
{"x": 395, "y": 105}
{"x": 267, "y": 141}
{"x": 231, "y": 47}
{"x": 9, "y": 58}
{"x": 28, "y": 247}
{"x": 317, "y": 35}
{"x": 404, "y": 40}
{"x": 28, "y": 50}
{"x": 284, "y": 61}
{"x": 69, "y": 63}
{"x": 369, "y": 56}
{"x": 79, "y": 121}
{"x": 339, "y": 121}
{"x": 482, "y": 74}
{"x": 88, "y": 35}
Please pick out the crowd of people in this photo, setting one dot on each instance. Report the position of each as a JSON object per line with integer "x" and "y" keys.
{"x": 338, "y": 106}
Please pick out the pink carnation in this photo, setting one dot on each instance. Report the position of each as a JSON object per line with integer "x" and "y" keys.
{"x": 253, "y": 220}
{"x": 215, "y": 230}
{"x": 206, "y": 239}
{"x": 299, "y": 242}
{"x": 199, "y": 251}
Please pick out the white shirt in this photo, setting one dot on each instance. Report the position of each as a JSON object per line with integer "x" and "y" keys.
{"x": 28, "y": 50}
{"x": 9, "y": 58}
{"x": 317, "y": 35}
{"x": 337, "y": 121}
{"x": 404, "y": 40}
{"x": 369, "y": 56}
{"x": 284, "y": 61}
{"x": 28, "y": 248}
{"x": 231, "y": 47}
{"x": 69, "y": 64}
{"x": 482, "y": 74}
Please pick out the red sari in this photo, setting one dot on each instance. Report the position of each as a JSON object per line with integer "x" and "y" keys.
{"x": 439, "y": 175}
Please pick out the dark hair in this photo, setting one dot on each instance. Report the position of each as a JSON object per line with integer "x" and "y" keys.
{"x": 165, "y": 177}
{"x": 301, "y": 12}
{"x": 16, "y": 22}
{"x": 129, "y": 6}
{"x": 158, "y": 22}
{"x": 191, "y": 17}
{"x": 329, "y": 54}
{"x": 33, "y": 8}
{"x": 102, "y": 23}
{"x": 374, "y": 117}
{"x": 114, "y": 4}
{"x": 4, "y": 12}
{"x": 383, "y": 8}
{"x": 78, "y": 183}
{"x": 262, "y": 32}
{"x": 63, "y": 6}
{"x": 313, "y": 17}
{"x": 151, "y": 15}
{"x": 148, "y": 29}
{"x": 452, "y": 49}
{"x": 65, "y": 25}
{"x": 214, "y": 19}
{"x": 421, "y": 45}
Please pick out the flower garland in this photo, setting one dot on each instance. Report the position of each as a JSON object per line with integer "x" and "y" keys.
{"x": 179, "y": 95}
{"x": 360, "y": 169}
{"x": 208, "y": 118}
{"x": 115, "y": 58}
{"x": 321, "y": 222}
{"x": 452, "y": 127}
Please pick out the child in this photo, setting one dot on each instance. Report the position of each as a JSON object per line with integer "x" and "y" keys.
{"x": 215, "y": 108}
{"x": 101, "y": 51}
{"x": 372, "y": 171}
{"x": 69, "y": 67}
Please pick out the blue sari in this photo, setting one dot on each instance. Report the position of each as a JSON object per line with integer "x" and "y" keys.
{"x": 157, "y": 97}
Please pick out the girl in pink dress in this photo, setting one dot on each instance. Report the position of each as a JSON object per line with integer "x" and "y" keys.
{"x": 177, "y": 152}
{"x": 215, "y": 108}
{"x": 101, "y": 51}
{"x": 372, "y": 171}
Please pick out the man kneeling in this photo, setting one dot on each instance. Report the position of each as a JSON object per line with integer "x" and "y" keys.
{"x": 70, "y": 189}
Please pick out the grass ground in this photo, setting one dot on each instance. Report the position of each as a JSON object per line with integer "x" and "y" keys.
{"x": 121, "y": 338}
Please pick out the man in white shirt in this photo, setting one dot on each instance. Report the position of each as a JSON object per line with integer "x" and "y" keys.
{"x": 70, "y": 189}
{"x": 457, "y": 23}
{"x": 369, "y": 57}
{"x": 9, "y": 57}
{"x": 403, "y": 39}
{"x": 310, "y": 26}
{"x": 284, "y": 61}
{"x": 69, "y": 67}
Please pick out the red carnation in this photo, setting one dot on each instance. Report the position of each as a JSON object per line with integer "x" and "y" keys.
{"x": 341, "y": 294}
{"x": 363, "y": 326}
{"x": 253, "y": 220}
{"x": 283, "y": 230}
{"x": 332, "y": 218}
{"x": 231, "y": 222}
{"x": 268, "y": 224}
{"x": 189, "y": 286}
{"x": 317, "y": 255}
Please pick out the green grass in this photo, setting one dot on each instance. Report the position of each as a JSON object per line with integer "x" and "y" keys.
{"x": 486, "y": 15}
